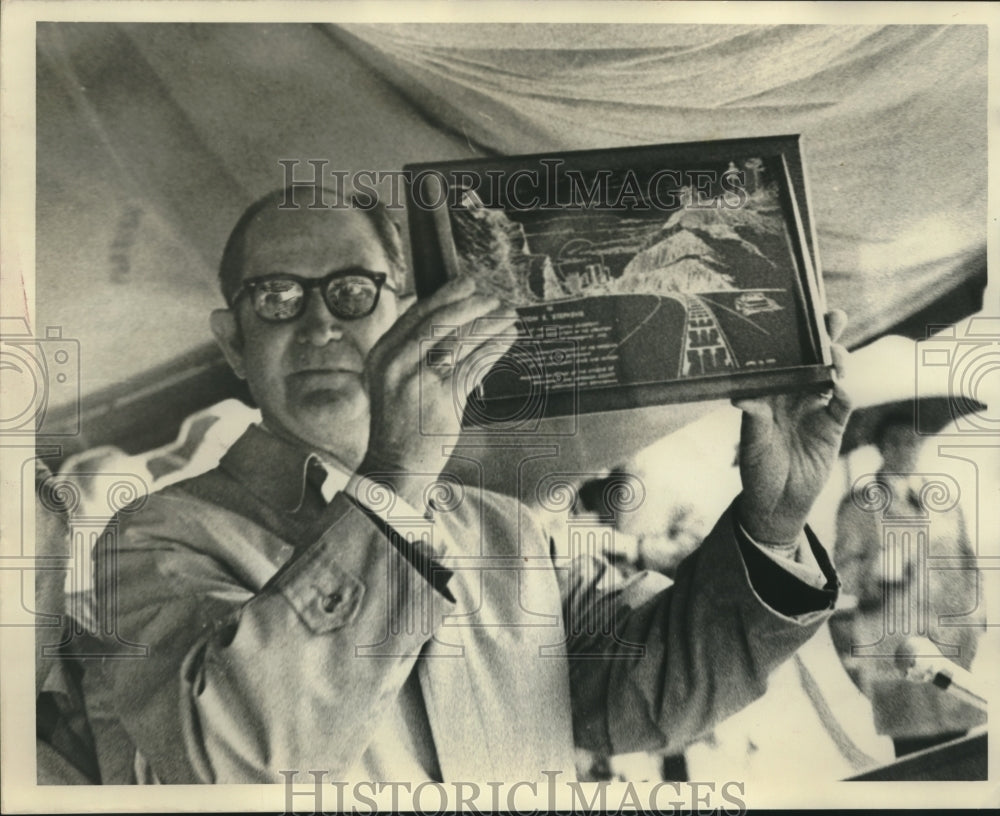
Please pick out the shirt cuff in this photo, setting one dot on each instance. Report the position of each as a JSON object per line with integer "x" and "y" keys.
{"x": 797, "y": 557}
{"x": 416, "y": 534}
{"x": 789, "y": 587}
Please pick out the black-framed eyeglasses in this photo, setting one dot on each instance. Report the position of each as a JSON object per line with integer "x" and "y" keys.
{"x": 349, "y": 294}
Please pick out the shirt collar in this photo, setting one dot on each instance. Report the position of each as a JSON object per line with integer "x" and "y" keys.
{"x": 275, "y": 470}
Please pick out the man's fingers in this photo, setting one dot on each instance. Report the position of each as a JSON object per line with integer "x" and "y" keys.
{"x": 453, "y": 291}
{"x": 473, "y": 361}
{"x": 839, "y": 407}
{"x": 489, "y": 336}
{"x": 457, "y": 320}
{"x": 451, "y": 319}
{"x": 836, "y": 322}
{"x": 756, "y": 429}
{"x": 840, "y": 356}
{"x": 498, "y": 339}
{"x": 758, "y": 407}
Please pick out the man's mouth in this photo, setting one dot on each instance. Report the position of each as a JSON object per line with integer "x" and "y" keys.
{"x": 335, "y": 369}
{"x": 323, "y": 378}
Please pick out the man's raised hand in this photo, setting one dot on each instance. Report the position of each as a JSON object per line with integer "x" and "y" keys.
{"x": 416, "y": 401}
{"x": 788, "y": 444}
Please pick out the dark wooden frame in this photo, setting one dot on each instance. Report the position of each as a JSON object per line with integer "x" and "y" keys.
{"x": 434, "y": 261}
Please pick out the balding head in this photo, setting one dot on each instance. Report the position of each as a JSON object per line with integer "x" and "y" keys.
{"x": 234, "y": 255}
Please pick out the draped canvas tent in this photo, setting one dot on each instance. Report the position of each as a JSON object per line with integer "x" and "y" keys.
{"x": 152, "y": 138}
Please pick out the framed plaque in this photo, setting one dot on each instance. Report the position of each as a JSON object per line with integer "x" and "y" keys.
{"x": 641, "y": 275}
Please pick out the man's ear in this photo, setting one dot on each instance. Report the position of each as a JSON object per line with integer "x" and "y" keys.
{"x": 230, "y": 339}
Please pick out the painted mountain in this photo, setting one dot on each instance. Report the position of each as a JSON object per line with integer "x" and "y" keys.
{"x": 493, "y": 249}
{"x": 679, "y": 262}
{"x": 703, "y": 249}
{"x": 696, "y": 250}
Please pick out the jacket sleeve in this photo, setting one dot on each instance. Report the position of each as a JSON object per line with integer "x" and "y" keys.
{"x": 682, "y": 656}
{"x": 207, "y": 594}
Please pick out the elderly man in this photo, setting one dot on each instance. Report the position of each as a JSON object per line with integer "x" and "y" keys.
{"x": 315, "y": 604}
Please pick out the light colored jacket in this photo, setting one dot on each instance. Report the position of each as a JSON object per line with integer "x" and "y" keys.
{"x": 285, "y": 633}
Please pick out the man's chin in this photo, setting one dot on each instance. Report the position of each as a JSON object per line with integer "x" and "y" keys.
{"x": 305, "y": 382}
{"x": 317, "y": 390}
{"x": 323, "y": 405}
{"x": 324, "y": 411}
{"x": 340, "y": 406}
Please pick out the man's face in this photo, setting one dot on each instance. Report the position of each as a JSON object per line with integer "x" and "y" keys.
{"x": 307, "y": 374}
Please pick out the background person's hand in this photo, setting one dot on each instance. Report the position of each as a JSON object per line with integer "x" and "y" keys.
{"x": 788, "y": 444}
{"x": 416, "y": 401}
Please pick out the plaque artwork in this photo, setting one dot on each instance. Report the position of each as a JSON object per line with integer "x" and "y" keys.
{"x": 640, "y": 276}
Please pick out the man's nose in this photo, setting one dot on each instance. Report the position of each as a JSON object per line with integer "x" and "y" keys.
{"x": 316, "y": 325}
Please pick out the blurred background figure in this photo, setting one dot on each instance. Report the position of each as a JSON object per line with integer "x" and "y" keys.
{"x": 65, "y": 752}
{"x": 890, "y": 530}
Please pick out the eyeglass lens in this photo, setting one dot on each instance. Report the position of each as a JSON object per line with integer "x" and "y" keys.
{"x": 349, "y": 296}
